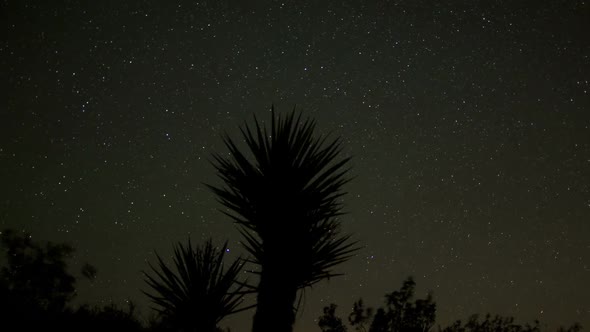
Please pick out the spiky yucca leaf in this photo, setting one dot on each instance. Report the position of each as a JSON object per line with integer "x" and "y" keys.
{"x": 196, "y": 292}
{"x": 285, "y": 198}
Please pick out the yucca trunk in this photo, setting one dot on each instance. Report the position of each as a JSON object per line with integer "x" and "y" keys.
{"x": 275, "y": 303}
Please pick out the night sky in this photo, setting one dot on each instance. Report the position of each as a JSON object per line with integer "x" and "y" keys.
{"x": 468, "y": 124}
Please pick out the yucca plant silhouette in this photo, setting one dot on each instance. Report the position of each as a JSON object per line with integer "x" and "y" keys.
{"x": 196, "y": 293}
{"x": 285, "y": 201}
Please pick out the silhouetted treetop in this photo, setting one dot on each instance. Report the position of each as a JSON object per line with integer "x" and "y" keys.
{"x": 400, "y": 314}
{"x": 329, "y": 322}
{"x": 35, "y": 277}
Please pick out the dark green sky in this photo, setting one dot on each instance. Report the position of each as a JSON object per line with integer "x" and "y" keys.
{"x": 469, "y": 127}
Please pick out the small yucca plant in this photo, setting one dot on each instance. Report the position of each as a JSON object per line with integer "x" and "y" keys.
{"x": 195, "y": 293}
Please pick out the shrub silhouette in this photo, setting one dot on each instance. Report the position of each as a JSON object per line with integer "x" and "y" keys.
{"x": 36, "y": 288}
{"x": 403, "y": 315}
{"x": 360, "y": 316}
{"x": 329, "y": 322}
{"x": 285, "y": 202}
{"x": 491, "y": 324}
{"x": 196, "y": 293}
{"x": 399, "y": 315}
{"x": 107, "y": 318}
{"x": 34, "y": 281}
{"x": 499, "y": 323}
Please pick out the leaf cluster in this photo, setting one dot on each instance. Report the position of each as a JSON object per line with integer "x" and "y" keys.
{"x": 286, "y": 198}
{"x": 195, "y": 289}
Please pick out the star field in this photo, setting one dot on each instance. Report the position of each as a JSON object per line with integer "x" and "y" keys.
{"x": 469, "y": 127}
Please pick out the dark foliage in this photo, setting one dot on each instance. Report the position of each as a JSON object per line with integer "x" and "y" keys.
{"x": 329, "y": 322}
{"x": 34, "y": 280}
{"x": 360, "y": 316}
{"x": 108, "y": 318}
{"x": 89, "y": 272}
{"x": 285, "y": 200}
{"x": 500, "y": 324}
{"x": 36, "y": 288}
{"x": 196, "y": 293}
{"x": 402, "y": 314}
{"x": 399, "y": 315}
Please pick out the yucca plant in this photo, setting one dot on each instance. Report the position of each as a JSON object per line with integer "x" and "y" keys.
{"x": 285, "y": 198}
{"x": 196, "y": 293}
